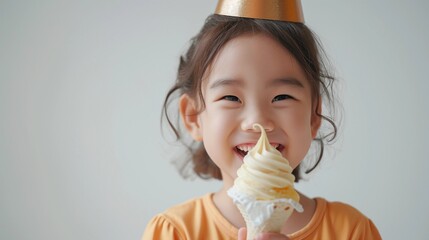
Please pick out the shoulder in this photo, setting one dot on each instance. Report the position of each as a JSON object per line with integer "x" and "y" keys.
{"x": 187, "y": 211}
{"x": 178, "y": 221}
{"x": 348, "y": 220}
{"x": 337, "y": 220}
{"x": 341, "y": 211}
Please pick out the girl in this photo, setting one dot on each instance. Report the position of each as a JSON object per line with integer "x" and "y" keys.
{"x": 241, "y": 71}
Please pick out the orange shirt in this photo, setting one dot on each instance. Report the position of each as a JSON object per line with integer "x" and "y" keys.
{"x": 200, "y": 219}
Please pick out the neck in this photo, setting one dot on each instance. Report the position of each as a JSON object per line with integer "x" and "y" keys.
{"x": 298, "y": 220}
{"x": 227, "y": 207}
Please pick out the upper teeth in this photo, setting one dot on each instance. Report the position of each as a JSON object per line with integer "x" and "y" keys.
{"x": 247, "y": 148}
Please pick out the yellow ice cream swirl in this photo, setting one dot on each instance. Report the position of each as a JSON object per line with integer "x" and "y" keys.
{"x": 265, "y": 173}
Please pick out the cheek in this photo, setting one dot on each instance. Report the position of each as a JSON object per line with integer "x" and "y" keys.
{"x": 300, "y": 150}
{"x": 214, "y": 117}
{"x": 216, "y": 127}
{"x": 298, "y": 122}
{"x": 213, "y": 120}
{"x": 300, "y": 136}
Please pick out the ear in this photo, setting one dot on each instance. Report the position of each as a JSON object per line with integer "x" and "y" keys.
{"x": 316, "y": 117}
{"x": 189, "y": 115}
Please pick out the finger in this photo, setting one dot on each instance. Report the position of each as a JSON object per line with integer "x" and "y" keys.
{"x": 242, "y": 233}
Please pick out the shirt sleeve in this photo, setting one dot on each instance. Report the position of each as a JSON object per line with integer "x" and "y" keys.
{"x": 366, "y": 231}
{"x": 160, "y": 227}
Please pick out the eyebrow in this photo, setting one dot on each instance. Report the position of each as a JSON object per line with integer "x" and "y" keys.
{"x": 276, "y": 82}
{"x": 287, "y": 81}
{"x": 225, "y": 82}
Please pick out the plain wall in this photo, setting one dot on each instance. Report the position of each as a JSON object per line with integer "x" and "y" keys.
{"x": 81, "y": 89}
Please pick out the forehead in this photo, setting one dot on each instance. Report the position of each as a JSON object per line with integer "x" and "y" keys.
{"x": 254, "y": 57}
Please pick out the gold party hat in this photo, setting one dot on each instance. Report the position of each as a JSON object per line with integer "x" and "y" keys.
{"x": 281, "y": 10}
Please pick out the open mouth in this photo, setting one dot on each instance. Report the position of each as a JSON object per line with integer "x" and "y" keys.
{"x": 242, "y": 150}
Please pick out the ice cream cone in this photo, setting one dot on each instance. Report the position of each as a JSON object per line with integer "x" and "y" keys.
{"x": 263, "y": 215}
{"x": 263, "y": 190}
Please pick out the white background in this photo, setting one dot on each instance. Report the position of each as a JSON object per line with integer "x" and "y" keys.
{"x": 81, "y": 88}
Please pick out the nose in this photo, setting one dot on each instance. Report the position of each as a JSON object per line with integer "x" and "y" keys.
{"x": 260, "y": 117}
{"x": 248, "y": 126}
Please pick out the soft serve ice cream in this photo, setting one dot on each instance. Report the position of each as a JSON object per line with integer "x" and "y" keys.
{"x": 266, "y": 174}
{"x": 263, "y": 190}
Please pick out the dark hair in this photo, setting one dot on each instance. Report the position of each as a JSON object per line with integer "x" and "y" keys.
{"x": 216, "y": 32}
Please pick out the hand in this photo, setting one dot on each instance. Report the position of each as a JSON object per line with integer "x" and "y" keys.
{"x": 242, "y": 232}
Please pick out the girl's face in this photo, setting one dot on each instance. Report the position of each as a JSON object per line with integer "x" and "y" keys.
{"x": 253, "y": 79}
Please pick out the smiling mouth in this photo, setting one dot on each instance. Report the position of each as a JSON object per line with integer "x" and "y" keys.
{"x": 242, "y": 150}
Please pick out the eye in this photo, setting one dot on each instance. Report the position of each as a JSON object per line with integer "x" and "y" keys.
{"x": 282, "y": 97}
{"x": 231, "y": 98}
